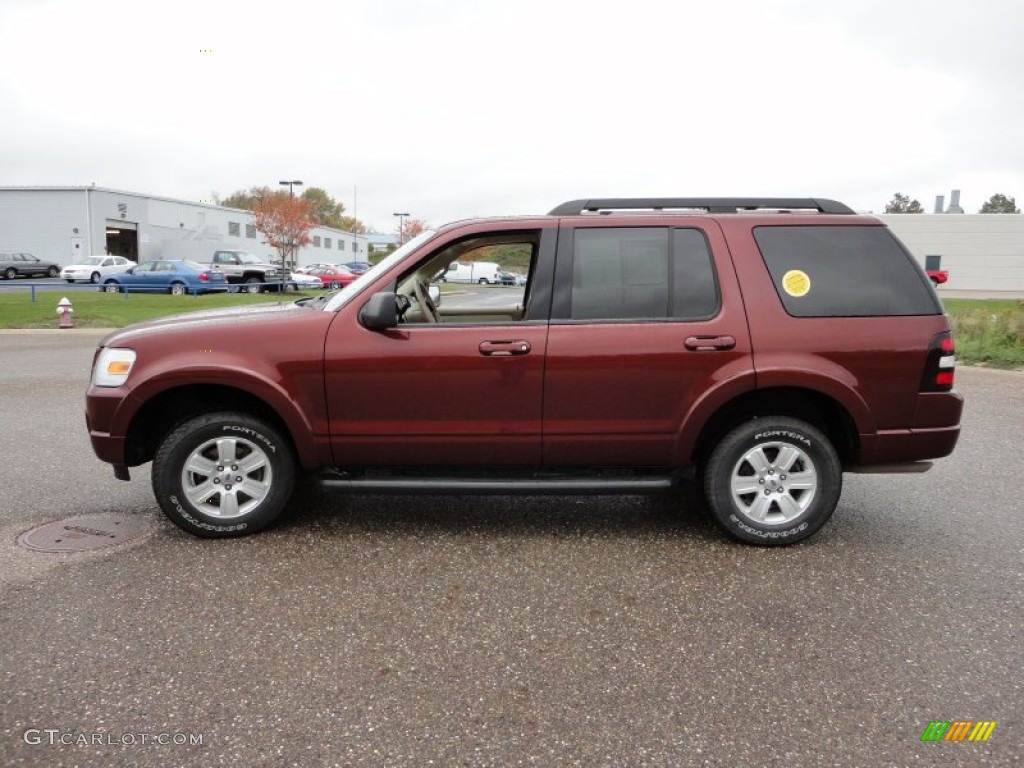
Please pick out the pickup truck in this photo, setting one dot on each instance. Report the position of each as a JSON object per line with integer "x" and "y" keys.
{"x": 247, "y": 270}
{"x": 761, "y": 346}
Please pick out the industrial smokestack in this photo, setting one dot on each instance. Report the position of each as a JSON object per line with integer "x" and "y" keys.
{"x": 940, "y": 201}
{"x": 954, "y": 202}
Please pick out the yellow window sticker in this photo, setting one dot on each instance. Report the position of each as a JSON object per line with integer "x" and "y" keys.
{"x": 796, "y": 283}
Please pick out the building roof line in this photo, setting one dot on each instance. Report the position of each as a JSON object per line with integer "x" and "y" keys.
{"x": 145, "y": 195}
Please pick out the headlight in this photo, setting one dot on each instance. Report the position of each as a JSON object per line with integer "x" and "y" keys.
{"x": 113, "y": 366}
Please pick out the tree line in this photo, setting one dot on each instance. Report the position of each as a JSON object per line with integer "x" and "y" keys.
{"x": 998, "y": 203}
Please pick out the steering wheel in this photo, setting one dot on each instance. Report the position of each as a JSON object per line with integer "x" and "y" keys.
{"x": 402, "y": 305}
{"x": 422, "y": 290}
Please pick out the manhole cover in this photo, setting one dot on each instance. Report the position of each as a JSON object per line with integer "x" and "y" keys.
{"x": 78, "y": 534}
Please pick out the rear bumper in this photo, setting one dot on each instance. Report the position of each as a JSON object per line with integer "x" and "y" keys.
{"x": 933, "y": 431}
{"x": 907, "y": 445}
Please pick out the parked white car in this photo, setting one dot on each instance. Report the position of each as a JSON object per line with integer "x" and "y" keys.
{"x": 472, "y": 272}
{"x": 92, "y": 269}
{"x": 300, "y": 281}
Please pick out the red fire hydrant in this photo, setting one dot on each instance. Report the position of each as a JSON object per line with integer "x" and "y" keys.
{"x": 64, "y": 309}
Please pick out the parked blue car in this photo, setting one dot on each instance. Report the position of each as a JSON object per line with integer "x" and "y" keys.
{"x": 357, "y": 266}
{"x": 177, "y": 277}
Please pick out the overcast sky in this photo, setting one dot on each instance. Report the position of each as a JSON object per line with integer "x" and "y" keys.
{"x": 462, "y": 108}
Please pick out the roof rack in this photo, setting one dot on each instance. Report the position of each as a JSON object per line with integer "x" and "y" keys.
{"x": 709, "y": 204}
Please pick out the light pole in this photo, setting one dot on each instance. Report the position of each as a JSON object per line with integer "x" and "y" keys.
{"x": 401, "y": 228}
{"x": 291, "y": 193}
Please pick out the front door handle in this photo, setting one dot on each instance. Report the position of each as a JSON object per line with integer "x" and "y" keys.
{"x": 504, "y": 348}
{"x": 709, "y": 343}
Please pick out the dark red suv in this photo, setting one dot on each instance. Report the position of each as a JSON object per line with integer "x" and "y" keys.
{"x": 766, "y": 344}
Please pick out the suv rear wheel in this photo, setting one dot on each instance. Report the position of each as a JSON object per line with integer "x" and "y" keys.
{"x": 223, "y": 474}
{"x": 773, "y": 480}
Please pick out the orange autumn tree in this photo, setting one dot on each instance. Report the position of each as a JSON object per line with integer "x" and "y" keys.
{"x": 410, "y": 229}
{"x": 285, "y": 222}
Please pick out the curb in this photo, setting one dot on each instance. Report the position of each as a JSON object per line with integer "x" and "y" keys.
{"x": 55, "y": 331}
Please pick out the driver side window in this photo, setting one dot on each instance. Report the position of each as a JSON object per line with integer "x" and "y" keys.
{"x": 484, "y": 279}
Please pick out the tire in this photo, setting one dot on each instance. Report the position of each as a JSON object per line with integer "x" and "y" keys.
{"x": 69, "y": 280}
{"x": 178, "y": 289}
{"x": 111, "y": 287}
{"x": 204, "y": 501}
{"x": 10, "y": 273}
{"x": 252, "y": 285}
{"x": 773, "y": 481}
{"x": 52, "y": 272}
{"x": 94, "y": 278}
{"x": 935, "y": 282}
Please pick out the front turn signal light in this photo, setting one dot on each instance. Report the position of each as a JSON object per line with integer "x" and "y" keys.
{"x": 113, "y": 366}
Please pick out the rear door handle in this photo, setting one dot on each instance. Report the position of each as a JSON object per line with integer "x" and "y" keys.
{"x": 709, "y": 343}
{"x": 505, "y": 348}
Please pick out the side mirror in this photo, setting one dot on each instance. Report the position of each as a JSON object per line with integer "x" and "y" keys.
{"x": 380, "y": 312}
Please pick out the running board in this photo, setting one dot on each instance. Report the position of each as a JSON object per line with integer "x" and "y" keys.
{"x": 907, "y": 468}
{"x": 497, "y": 484}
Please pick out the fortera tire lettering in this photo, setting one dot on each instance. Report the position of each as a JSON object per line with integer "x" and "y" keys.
{"x": 782, "y": 433}
{"x": 253, "y": 433}
{"x": 200, "y": 524}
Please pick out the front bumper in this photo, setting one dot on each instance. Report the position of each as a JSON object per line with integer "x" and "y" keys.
{"x": 101, "y": 404}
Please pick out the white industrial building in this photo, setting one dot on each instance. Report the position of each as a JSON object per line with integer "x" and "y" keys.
{"x": 983, "y": 252}
{"x": 63, "y": 224}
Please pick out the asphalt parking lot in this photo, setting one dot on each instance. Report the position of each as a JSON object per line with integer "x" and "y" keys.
{"x": 546, "y": 631}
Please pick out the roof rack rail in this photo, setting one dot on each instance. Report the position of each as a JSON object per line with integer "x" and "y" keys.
{"x": 710, "y": 204}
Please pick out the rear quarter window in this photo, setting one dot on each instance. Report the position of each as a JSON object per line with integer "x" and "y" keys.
{"x": 844, "y": 271}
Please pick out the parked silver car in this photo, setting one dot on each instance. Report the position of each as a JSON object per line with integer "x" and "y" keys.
{"x": 14, "y": 265}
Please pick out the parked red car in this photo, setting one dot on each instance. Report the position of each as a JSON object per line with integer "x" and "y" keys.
{"x": 333, "y": 277}
{"x": 763, "y": 345}
{"x": 938, "y": 276}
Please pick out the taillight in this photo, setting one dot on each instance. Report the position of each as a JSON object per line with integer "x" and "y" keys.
{"x": 940, "y": 365}
{"x": 204, "y": 277}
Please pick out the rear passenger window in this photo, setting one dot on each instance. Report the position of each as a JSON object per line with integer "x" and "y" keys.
{"x": 646, "y": 273}
{"x": 837, "y": 271}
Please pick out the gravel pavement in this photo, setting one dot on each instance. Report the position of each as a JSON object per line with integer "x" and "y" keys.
{"x": 505, "y": 631}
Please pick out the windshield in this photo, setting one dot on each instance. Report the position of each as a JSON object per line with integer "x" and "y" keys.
{"x": 248, "y": 258}
{"x": 342, "y": 297}
{"x": 92, "y": 260}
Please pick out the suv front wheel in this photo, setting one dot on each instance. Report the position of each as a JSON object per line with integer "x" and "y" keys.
{"x": 773, "y": 481}
{"x": 223, "y": 474}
